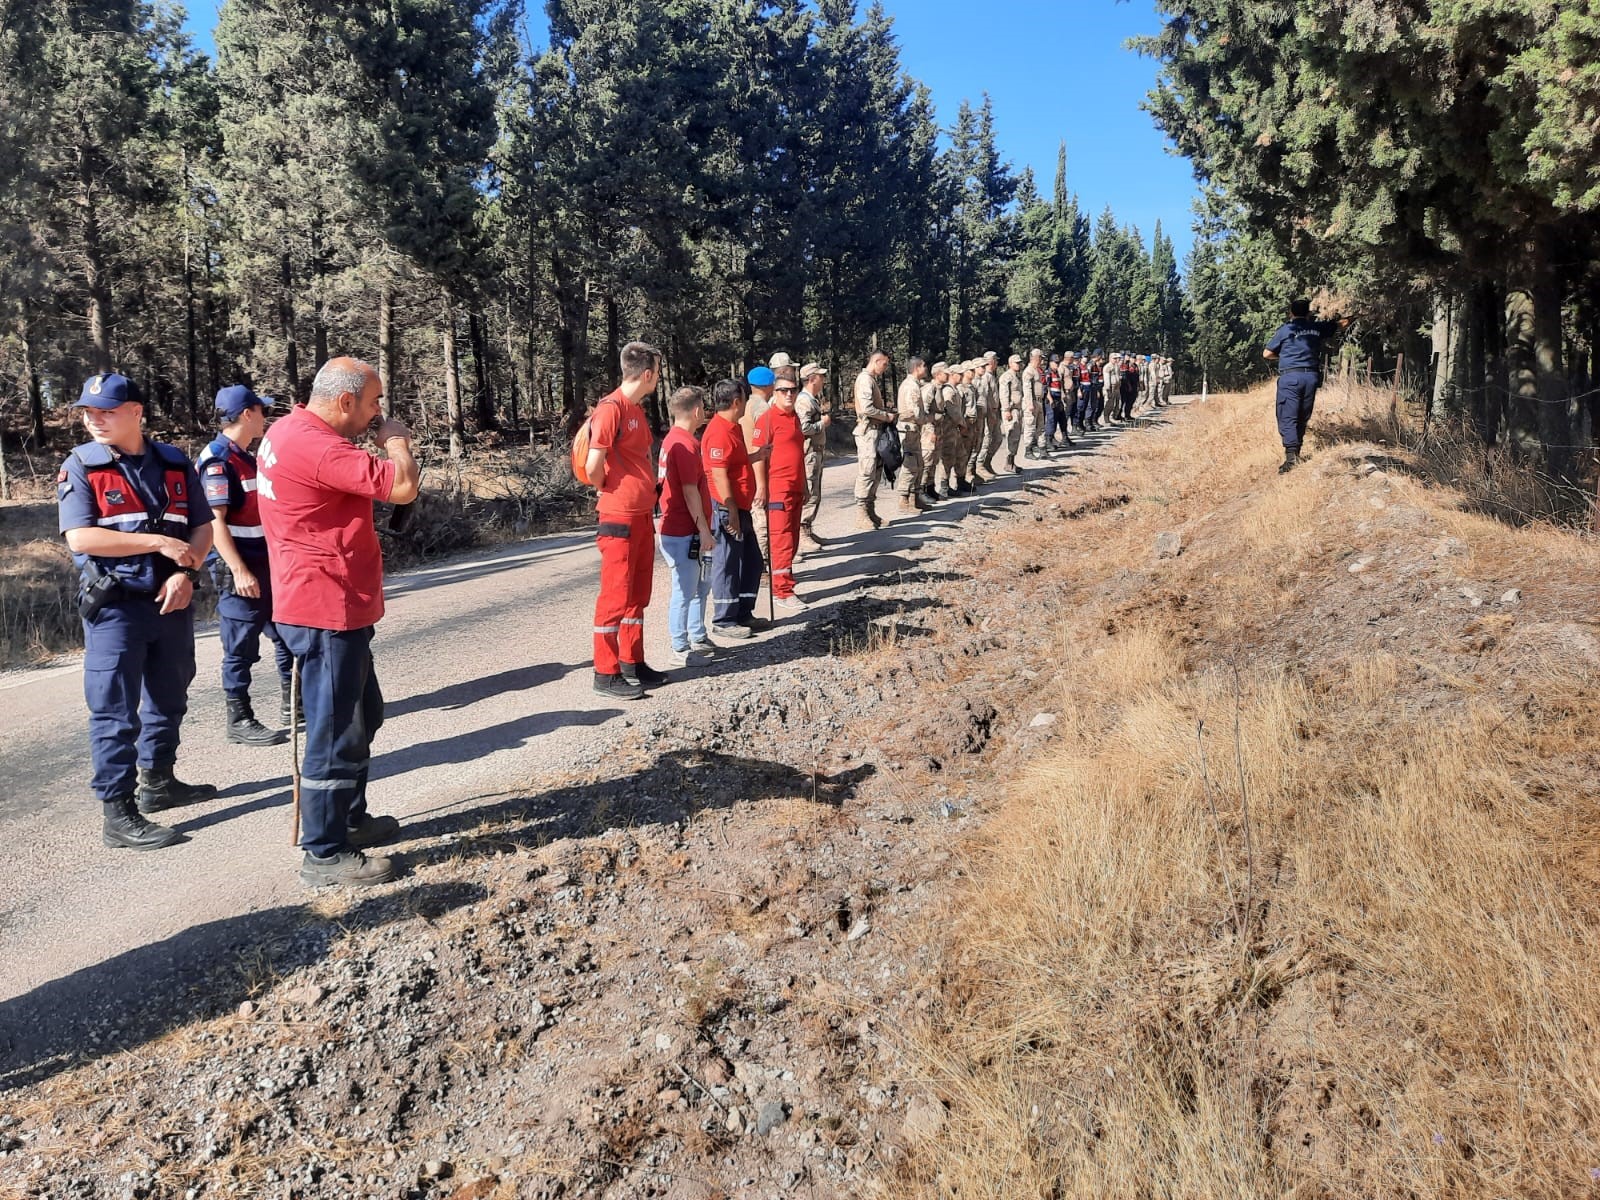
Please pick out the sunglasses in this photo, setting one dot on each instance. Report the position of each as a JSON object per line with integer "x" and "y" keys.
{"x": 786, "y": 388}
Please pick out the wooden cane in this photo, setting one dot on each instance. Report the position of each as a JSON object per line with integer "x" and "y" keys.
{"x": 294, "y": 746}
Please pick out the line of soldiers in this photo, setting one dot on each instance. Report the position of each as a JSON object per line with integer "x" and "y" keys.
{"x": 953, "y": 420}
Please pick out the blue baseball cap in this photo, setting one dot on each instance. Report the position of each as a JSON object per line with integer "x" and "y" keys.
{"x": 232, "y": 401}
{"x": 760, "y": 377}
{"x": 108, "y": 391}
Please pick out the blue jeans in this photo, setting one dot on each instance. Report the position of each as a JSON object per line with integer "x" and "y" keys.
{"x": 344, "y": 708}
{"x": 686, "y": 608}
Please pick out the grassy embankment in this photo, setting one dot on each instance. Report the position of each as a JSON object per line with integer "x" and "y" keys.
{"x": 1301, "y": 899}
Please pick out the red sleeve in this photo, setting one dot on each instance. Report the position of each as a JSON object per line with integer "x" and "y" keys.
{"x": 604, "y": 424}
{"x": 714, "y": 448}
{"x": 348, "y": 468}
{"x": 684, "y": 465}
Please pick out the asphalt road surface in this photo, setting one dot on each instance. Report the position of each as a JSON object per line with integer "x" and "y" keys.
{"x": 486, "y": 666}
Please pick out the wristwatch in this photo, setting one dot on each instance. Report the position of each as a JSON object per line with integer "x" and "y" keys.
{"x": 192, "y": 572}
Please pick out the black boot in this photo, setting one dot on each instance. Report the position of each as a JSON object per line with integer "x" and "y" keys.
{"x": 160, "y": 789}
{"x": 1291, "y": 455}
{"x": 643, "y": 673}
{"x": 244, "y": 729}
{"x": 283, "y": 705}
{"x": 126, "y": 828}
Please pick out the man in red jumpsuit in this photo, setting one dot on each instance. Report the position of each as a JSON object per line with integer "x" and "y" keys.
{"x": 781, "y": 485}
{"x": 621, "y": 467}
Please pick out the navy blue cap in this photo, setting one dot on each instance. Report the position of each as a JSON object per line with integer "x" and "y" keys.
{"x": 108, "y": 391}
{"x": 232, "y": 401}
{"x": 760, "y": 377}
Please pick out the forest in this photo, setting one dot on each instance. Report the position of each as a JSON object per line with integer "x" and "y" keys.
{"x": 1432, "y": 167}
{"x": 488, "y": 220}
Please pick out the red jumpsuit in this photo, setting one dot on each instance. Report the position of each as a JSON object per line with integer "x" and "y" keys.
{"x": 626, "y": 532}
{"x": 786, "y": 490}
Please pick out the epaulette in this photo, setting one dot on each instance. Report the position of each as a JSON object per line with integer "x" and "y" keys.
{"x": 171, "y": 455}
{"x": 93, "y": 454}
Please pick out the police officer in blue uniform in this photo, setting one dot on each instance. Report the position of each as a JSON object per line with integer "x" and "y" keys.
{"x": 138, "y": 527}
{"x": 1297, "y": 349}
{"x": 238, "y": 563}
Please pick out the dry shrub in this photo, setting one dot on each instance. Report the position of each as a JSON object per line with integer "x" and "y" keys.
{"x": 1254, "y": 928}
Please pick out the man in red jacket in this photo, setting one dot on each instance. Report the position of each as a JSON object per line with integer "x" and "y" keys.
{"x": 620, "y": 467}
{"x": 781, "y": 484}
{"x": 316, "y": 490}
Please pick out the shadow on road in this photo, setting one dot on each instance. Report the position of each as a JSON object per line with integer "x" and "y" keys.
{"x": 470, "y": 691}
{"x": 477, "y": 743}
{"x": 203, "y": 972}
{"x": 674, "y": 788}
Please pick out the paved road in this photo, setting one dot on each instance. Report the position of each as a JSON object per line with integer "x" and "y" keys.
{"x": 486, "y": 665}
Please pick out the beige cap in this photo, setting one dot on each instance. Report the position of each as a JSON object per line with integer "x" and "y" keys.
{"x": 990, "y": 356}
{"x": 810, "y": 369}
{"x": 941, "y": 366}
{"x": 1016, "y": 358}
{"x": 780, "y": 359}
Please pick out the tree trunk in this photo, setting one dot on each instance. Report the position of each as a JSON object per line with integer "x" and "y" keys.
{"x": 485, "y": 415}
{"x": 386, "y": 346}
{"x": 1522, "y": 403}
{"x": 452, "y": 381}
{"x": 208, "y": 313}
{"x": 1477, "y": 361}
{"x": 291, "y": 353}
{"x": 97, "y": 282}
{"x": 613, "y": 331}
{"x": 1444, "y": 324}
{"x": 1555, "y": 424}
{"x": 30, "y": 373}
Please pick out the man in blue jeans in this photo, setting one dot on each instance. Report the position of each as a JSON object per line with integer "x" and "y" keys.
{"x": 317, "y": 488}
{"x": 685, "y": 530}
{"x": 1297, "y": 349}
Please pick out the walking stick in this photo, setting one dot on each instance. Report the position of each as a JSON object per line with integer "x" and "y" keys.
{"x": 294, "y": 746}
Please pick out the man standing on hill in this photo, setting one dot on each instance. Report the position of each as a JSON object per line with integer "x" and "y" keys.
{"x": 1012, "y": 403}
{"x": 989, "y": 394}
{"x": 317, "y": 489}
{"x": 619, "y": 466}
{"x": 872, "y": 414}
{"x": 1297, "y": 349}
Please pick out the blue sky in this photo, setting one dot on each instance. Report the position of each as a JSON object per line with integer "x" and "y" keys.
{"x": 1055, "y": 70}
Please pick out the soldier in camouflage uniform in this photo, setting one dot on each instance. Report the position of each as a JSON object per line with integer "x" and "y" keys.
{"x": 1034, "y": 394}
{"x": 908, "y": 407}
{"x": 950, "y": 429}
{"x": 932, "y": 427}
{"x": 1012, "y": 403}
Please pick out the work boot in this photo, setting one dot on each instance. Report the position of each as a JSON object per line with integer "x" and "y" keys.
{"x": 809, "y": 537}
{"x": 1291, "y": 456}
{"x": 732, "y": 630}
{"x": 160, "y": 789}
{"x": 643, "y": 673}
{"x": 244, "y": 729}
{"x": 921, "y": 501}
{"x": 931, "y": 495}
{"x": 347, "y": 868}
{"x": 618, "y": 687}
{"x": 963, "y": 488}
{"x": 371, "y": 831}
{"x": 283, "y": 705}
{"x": 126, "y": 829}
{"x": 865, "y": 518}
{"x": 908, "y": 504}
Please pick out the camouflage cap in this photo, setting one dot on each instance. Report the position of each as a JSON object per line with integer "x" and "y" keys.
{"x": 941, "y": 368}
{"x": 810, "y": 369}
{"x": 990, "y": 356}
{"x": 780, "y": 359}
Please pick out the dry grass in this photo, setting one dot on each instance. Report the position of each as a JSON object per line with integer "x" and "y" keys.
{"x": 1264, "y": 926}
